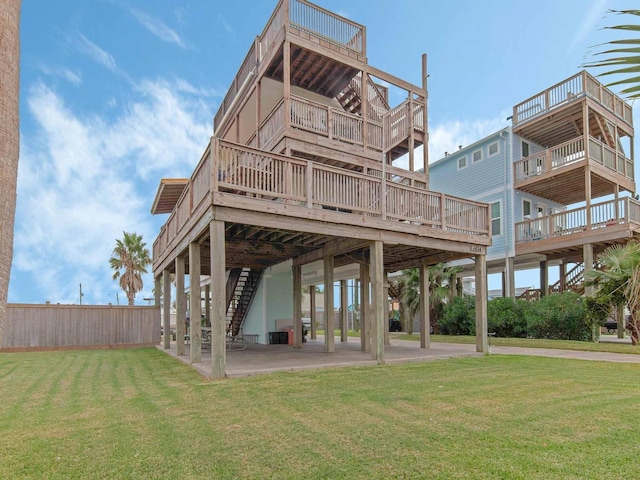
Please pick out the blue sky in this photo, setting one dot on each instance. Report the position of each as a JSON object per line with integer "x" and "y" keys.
{"x": 116, "y": 94}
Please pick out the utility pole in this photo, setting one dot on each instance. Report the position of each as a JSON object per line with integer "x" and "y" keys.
{"x": 81, "y": 294}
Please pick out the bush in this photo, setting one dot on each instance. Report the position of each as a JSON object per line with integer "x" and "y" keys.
{"x": 506, "y": 317}
{"x": 459, "y": 316}
{"x": 561, "y": 316}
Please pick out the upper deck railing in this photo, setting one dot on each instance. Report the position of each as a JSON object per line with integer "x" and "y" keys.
{"x": 301, "y": 18}
{"x": 601, "y": 215}
{"x": 264, "y": 176}
{"x": 564, "y": 92}
{"x": 570, "y": 152}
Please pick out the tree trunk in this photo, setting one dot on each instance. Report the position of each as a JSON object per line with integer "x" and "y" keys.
{"x": 9, "y": 140}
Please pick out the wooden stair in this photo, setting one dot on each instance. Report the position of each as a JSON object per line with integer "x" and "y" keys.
{"x": 240, "y": 296}
{"x": 573, "y": 280}
{"x": 350, "y": 97}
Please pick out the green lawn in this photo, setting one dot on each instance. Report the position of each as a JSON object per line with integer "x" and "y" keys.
{"x": 141, "y": 414}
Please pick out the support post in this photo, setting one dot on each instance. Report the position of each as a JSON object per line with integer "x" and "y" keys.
{"x": 329, "y": 328}
{"x": 297, "y": 306}
{"x": 377, "y": 301}
{"x": 195, "y": 346}
{"x": 365, "y": 300}
{"x": 313, "y": 313}
{"x": 344, "y": 312}
{"x": 181, "y": 306}
{"x": 385, "y": 299}
{"x": 207, "y": 304}
{"x": 425, "y": 320}
{"x": 544, "y": 278}
{"x": 510, "y": 277}
{"x": 218, "y": 300}
{"x": 166, "y": 308}
{"x": 157, "y": 295}
{"x": 482, "y": 337}
{"x": 562, "y": 275}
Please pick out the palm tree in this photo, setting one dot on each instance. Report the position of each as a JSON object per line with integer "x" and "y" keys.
{"x": 409, "y": 286}
{"x": 619, "y": 279}
{"x": 628, "y": 58}
{"x": 132, "y": 256}
{"x": 9, "y": 140}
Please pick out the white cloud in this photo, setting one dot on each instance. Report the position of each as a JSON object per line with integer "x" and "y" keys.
{"x": 158, "y": 28}
{"x": 448, "y": 136}
{"x": 97, "y": 54}
{"x": 82, "y": 182}
{"x": 69, "y": 75}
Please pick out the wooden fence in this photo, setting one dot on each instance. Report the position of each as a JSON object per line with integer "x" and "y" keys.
{"x": 47, "y": 327}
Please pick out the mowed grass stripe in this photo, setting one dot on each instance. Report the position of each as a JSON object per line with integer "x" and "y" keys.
{"x": 141, "y": 414}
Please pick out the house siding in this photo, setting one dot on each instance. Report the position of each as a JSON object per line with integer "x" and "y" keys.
{"x": 490, "y": 180}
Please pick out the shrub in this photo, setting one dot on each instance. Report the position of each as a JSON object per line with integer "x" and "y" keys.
{"x": 561, "y": 316}
{"x": 459, "y": 316}
{"x": 506, "y": 317}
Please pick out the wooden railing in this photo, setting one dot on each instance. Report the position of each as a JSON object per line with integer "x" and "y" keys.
{"x": 570, "y": 152}
{"x": 399, "y": 121}
{"x": 627, "y": 210}
{"x": 243, "y": 170}
{"x": 607, "y": 156}
{"x": 272, "y": 124}
{"x": 327, "y": 26}
{"x": 566, "y": 91}
{"x": 329, "y": 122}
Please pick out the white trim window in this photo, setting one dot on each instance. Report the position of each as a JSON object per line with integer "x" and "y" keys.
{"x": 462, "y": 162}
{"x": 496, "y": 219}
{"x": 493, "y": 149}
{"x": 476, "y": 156}
{"x": 526, "y": 208}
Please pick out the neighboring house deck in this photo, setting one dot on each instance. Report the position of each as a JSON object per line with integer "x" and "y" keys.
{"x": 303, "y": 167}
{"x": 560, "y": 181}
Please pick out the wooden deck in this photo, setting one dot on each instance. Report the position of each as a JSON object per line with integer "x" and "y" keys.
{"x": 310, "y": 204}
{"x": 567, "y": 92}
{"x": 604, "y": 223}
{"x": 548, "y": 173}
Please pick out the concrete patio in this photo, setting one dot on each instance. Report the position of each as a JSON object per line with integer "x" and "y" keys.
{"x": 257, "y": 359}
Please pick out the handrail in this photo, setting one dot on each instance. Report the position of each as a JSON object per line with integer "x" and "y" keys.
{"x": 602, "y": 215}
{"x": 242, "y": 170}
{"x": 580, "y": 84}
{"x": 327, "y": 25}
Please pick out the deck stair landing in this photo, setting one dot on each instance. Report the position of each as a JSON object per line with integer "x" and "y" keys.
{"x": 242, "y": 285}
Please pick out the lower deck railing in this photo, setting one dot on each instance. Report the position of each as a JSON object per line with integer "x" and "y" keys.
{"x": 602, "y": 215}
{"x": 266, "y": 176}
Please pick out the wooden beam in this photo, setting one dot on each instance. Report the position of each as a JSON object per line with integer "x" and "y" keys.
{"x": 166, "y": 308}
{"x": 218, "y": 300}
{"x": 425, "y": 320}
{"x": 313, "y": 313}
{"x": 181, "y": 306}
{"x": 482, "y": 338}
{"x": 329, "y": 340}
{"x": 365, "y": 300}
{"x": 344, "y": 312}
{"x": 297, "y": 306}
{"x": 335, "y": 247}
{"x": 195, "y": 347}
{"x": 385, "y": 299}
{"x": 377, "y": 303}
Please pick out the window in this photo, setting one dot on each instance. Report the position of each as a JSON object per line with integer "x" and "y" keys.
{"x": 526, "y": 208}
{"x": 462, "y": 163}
{"x": 495, "y": 219}
{"x": 493, "y": 149}
{"x": 525, "y": 149}
{"x": 477, "y": 156}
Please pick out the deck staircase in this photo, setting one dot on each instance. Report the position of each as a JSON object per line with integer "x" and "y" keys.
{"x": 242, "y": 284}
{"x": 573, "y": 280}
{"x": 350, "y": 97}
